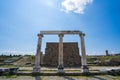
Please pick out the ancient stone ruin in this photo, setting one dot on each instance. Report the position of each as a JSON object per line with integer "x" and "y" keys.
{"x": 37, "y": 67}
{"x": 71, "y": 57}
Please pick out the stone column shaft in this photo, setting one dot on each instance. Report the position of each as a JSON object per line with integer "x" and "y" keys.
{"x": 38, "y": 54}
{"x": 60, "y": 49}
{"x": 83, "y": 51}
{"x": 60, "y": 56}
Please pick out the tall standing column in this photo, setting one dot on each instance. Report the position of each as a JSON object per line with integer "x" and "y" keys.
{"x": 60, "y": 57}
{"x": 83, "y": 57}
{"x": 38, "y": 54}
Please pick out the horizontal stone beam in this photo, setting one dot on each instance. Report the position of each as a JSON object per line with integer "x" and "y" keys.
{"x": 60, "y": 32}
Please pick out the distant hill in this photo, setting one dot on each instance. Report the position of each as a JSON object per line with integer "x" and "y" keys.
{"x": 25, "y": 61}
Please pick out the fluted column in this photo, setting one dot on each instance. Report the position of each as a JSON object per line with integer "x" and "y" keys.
{"x": 38, "y": 54}
{"x": 83, "y": 57}
{"x": 60, "y": 56}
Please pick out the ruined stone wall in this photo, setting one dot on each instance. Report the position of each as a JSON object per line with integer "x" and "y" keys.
{"x": 71, "y": 55}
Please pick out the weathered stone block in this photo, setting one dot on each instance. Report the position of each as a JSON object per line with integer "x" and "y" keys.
{"x": 71, "y": 57}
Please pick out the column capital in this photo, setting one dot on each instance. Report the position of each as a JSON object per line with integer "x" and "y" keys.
{"x": 40, "y": 35}
{"x": 61, "y": 35}
{"x": 82, "y": 34}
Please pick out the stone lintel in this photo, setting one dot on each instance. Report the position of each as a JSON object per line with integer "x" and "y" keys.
{"x": 60, "y": 32}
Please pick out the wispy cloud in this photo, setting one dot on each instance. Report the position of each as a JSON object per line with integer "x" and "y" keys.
{"x": 76, "y": 6}
{"x": 49, "y": 3}
{"x": 13, "y": 52}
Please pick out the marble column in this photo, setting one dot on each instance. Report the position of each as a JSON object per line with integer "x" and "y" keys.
{"x": 60, "y": 56}
{"x": 83, "y": 56}
{"x": 38, "y": 54}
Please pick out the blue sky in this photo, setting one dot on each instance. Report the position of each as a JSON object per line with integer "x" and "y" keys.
{"x": 22, "y": 20}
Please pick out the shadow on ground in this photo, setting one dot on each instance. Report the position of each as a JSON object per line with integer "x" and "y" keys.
{"x": 68, "y": 78}
{"x": 37, "y": 78}
{"x": 99, "y": 78}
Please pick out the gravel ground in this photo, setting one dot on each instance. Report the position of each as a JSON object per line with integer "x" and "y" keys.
{"x": 105, "y": 77}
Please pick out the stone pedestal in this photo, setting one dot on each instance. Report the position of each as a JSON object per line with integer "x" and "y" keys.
{"x": 36, "y": 69}
{"x": 60, "y": 69}
{"x": 85, "y": 69}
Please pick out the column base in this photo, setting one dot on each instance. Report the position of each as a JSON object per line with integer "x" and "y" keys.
{"x": 36, "y": 69}
{"x": 85, "y": 69}
{"x": 60, "y": 69}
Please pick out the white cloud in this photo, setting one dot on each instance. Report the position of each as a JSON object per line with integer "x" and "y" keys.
{"x": 76, "y": 6}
